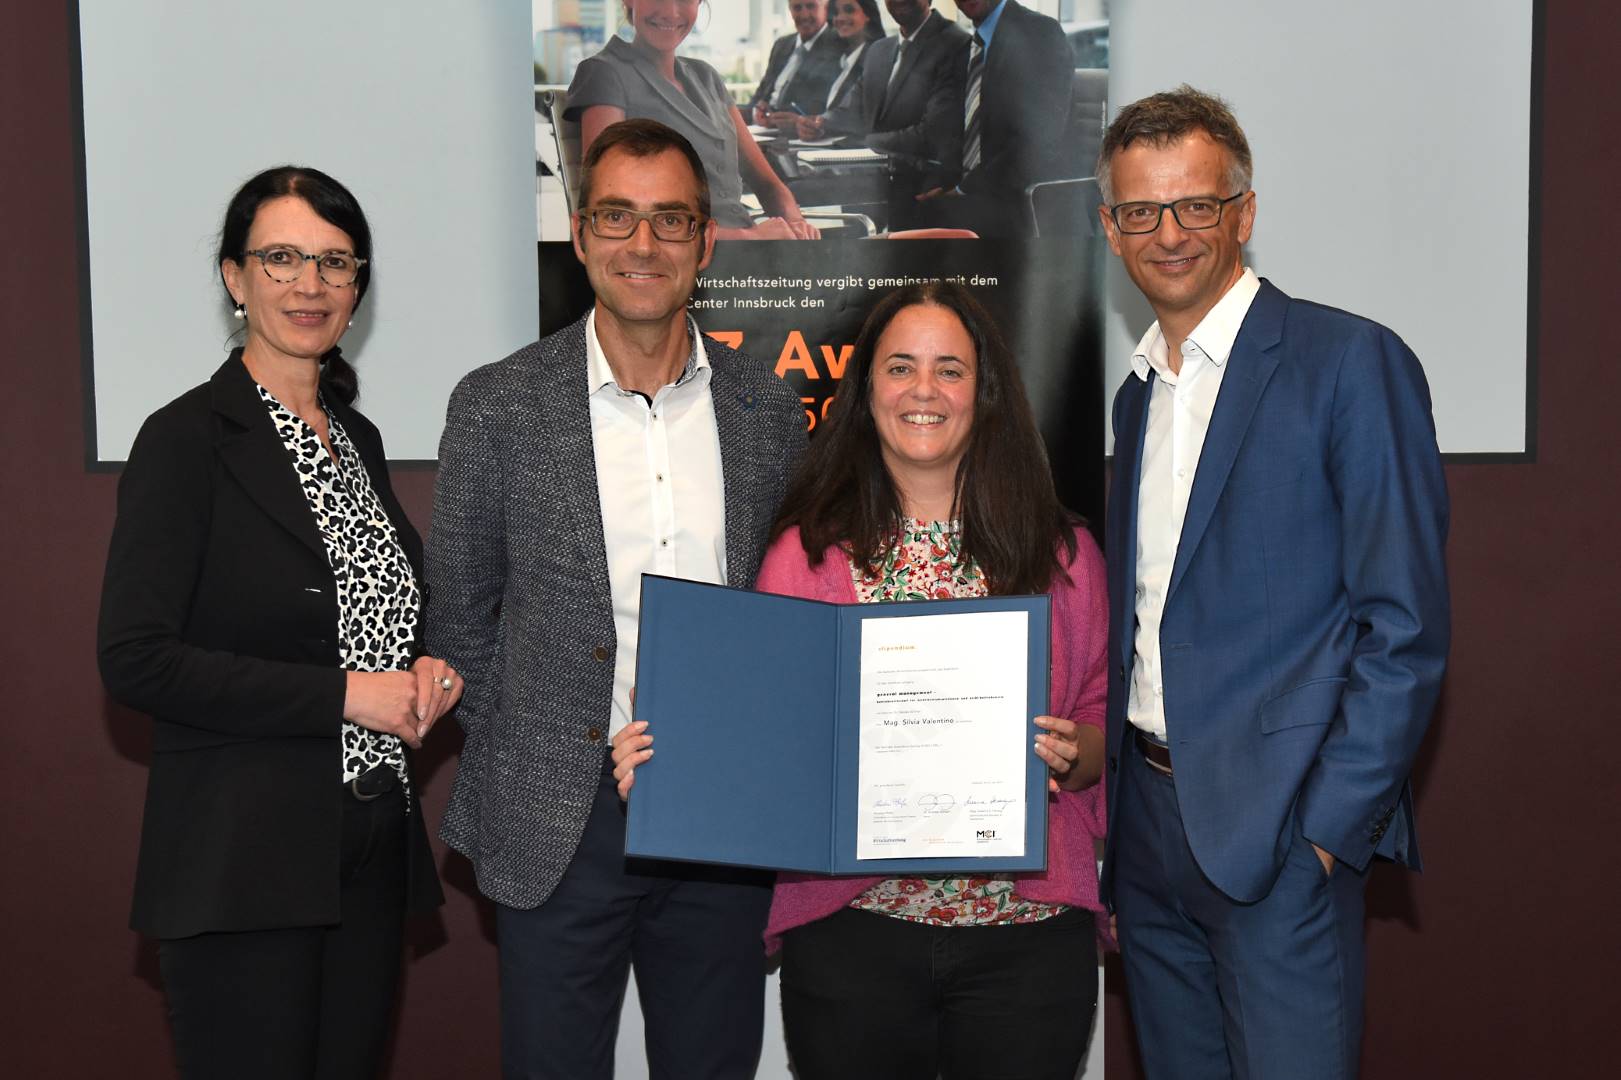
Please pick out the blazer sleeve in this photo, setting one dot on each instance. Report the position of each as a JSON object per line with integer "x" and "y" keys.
{"x": 466, "y": 557}
{"x": 1386, "y": 471}
{"x": 154, "y": 564}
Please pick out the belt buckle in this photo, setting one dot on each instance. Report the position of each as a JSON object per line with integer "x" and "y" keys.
{"x": 1144, "y": 743}
{"x": 368, "y": 796}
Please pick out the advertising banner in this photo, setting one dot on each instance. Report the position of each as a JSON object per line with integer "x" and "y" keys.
{"x": 853, "y": 148}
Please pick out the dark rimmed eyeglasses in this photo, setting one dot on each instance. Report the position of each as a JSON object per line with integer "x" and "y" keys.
{"x": 286, "y": 265}
{"x": 1192, "y": 213}
{"x": 619, "y": 223}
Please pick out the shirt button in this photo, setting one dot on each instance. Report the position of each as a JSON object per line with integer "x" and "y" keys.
{"x": 1181, "y": 473}
{"x": 664, "y": 543}
{"x": 1159, "y": 690}
{"x": 659, "y": 477}
{"x": 594, "y": 734}
{"x": 600, "y": 654}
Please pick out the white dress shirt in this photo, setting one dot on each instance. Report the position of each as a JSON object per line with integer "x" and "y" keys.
{"x": 661, "y": 491}
{"x": 847, "y": 64}
{"x": 1179, "y": 409}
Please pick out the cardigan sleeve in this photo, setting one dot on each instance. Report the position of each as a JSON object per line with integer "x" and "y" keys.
{"x": 1081, "y": 626}
{"x": 786, "y": 571}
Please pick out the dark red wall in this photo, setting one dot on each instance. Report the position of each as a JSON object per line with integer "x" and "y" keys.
{"x": 1488, "y": 965}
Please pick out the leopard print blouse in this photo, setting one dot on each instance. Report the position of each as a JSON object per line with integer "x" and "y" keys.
{"x": 378, "y": 598}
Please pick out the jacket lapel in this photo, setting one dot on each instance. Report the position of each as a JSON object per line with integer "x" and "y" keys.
{"x": 1249, "y": 368}
{"x": 564, "y": 449}
{"x": 1128, "y": 461}
{"x": 253, "y": 453}
{"x": 734, "y": 405}
{"x": 909, "y": 59}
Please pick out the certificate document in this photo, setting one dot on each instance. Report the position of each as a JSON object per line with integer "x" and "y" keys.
{"x": 907, "y": 728}
{"x": 945, "y": 735}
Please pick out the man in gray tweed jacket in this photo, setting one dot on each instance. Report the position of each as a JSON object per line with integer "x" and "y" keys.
{"x": 623, "y": 444}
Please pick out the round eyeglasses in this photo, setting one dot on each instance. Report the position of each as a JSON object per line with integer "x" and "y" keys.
{"x": 1193, "y": 213}
{"x": 286, "y": 265}
{"x": 619, "y": 223}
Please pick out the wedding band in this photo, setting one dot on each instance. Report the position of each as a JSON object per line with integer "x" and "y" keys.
{"x": 446, "y": 682}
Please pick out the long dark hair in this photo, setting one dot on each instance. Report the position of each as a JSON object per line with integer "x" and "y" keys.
{"x": 1013, "y": 526}
{"x": 334, "y": 204}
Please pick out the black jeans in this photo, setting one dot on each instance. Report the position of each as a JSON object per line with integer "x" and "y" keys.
{"x": 869, "y": 995}
{"x": 298, "y": 1002}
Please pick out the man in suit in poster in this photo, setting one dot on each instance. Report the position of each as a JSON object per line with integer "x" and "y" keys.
{"x": 908, "y": 104}
{"x": 801, "y": 68}
{"x": 1018, "y": 76}
{"x": 624, "y": 443}
{"x": 1279, "y": 620}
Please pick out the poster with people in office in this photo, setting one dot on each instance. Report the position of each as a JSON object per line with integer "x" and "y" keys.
{"x": 852, "y": 147}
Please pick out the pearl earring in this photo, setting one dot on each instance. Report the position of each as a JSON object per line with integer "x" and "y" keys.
{"x": 240, "y": 311}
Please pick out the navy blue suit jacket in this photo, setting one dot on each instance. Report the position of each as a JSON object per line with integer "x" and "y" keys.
{"x": 1306, "y": 623}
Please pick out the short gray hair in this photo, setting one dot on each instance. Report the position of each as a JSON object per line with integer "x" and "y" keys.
{"x": 1168, "y": 117}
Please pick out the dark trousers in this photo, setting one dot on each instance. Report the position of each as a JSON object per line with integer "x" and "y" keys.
{"x": 866, "y": 995}
{"x": 1270, "y": 990}
{"x": 693, "y": 935}
{"x": 303, "y": 1001}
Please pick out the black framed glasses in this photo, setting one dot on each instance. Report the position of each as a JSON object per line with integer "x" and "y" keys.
{"x": 1192, "y": 213}
{"x": 286, "y": 265}
{"x": 619, "y": 223}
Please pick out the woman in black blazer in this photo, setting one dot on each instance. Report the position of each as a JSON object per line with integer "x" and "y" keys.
{"x": 261, "y": 603}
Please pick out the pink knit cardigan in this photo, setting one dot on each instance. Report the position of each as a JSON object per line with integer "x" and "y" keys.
{"x": 1080, "y": 631}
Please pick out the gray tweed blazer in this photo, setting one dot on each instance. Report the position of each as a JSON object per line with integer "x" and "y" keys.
{"x": 518, "y": 596}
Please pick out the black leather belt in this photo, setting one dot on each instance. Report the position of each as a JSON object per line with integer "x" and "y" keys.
{"x": 374, "y": 783}
{"x": 1154, "y": 752}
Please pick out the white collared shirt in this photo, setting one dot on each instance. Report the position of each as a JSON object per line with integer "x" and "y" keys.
{"x": 660, "y": 488}
{"x": 1179, "y": 410}
{"x": 847, "y": 64}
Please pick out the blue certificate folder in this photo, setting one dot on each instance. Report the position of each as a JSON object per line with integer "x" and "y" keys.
{"x": 753, "y": 702}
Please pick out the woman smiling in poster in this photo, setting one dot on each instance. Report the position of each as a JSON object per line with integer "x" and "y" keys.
{"x": 646, "y": 79}
{"x": 857, "y": 24}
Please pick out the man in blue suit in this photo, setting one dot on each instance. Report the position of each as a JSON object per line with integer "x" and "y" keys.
{"x": 1278, "y": 621}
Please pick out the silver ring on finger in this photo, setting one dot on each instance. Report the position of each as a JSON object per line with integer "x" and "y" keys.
{"x": 446, "y": 682}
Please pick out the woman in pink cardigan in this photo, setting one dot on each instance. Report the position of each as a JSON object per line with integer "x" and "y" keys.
{"x": 929, "y": 480}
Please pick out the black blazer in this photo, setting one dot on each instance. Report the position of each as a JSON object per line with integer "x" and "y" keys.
{"x": 219, "y": 618}
{"x": 918, "y": 118}
{"x": 810, "y": 84}
{"x": 1025, "y": 105}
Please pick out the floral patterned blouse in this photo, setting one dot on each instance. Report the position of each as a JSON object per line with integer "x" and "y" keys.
{"x": 378, "y": 598}
{"x": 923, "y": 565}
